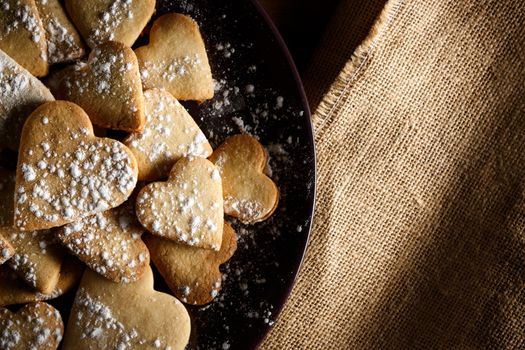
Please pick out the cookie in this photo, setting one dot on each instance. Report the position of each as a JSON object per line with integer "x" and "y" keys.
{"x": 249, "y": 194}
{"x": 170, "y": 134}
{"x": 6, "y": 250}
{"x": 34, "y": 326}
{"x": 109, "y": 243}
{"x": 108, "y": 88}
{"x": 107, "y": 315}
{"x": 13, "y": 290}
{"x": 63, "y": 41}
{"x": 175, "y": 59}
{"x": 20, "y": 94}
{"x": 192, "y": 273}
{"x": 22, "y": 35}
{"x": 117, "y": 20}
{"x": 188, "y": 207}
{"x": 64, "y": 172}
{"x": 37, "y": 259}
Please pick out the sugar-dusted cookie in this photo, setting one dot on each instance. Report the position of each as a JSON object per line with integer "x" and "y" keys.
{"x": 188, "y": 207}
{"x": 13, "y": 290}
{"x": 117, "y": 20}
{"x": 34, "y": 326}
{"x": 192, "y": 273}
{"x": 37, "y": 259}
{"x": 109, "y": 243}
{"x": 170, "y": 133}
{"x": 107, "y": 315}
{"x": 108, "y": 88}
{"x": 22, "y": 35}
{"x": 64, "y": 172}
{"x": 175, "y": 59}
{"x": 63, "y": 41}
{"x": 20, "y": 94}
{"x": 6, "y": 250}
{"x": 249, "y": 194}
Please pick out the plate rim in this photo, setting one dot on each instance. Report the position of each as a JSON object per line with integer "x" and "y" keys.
{"x": 312, "y": 203}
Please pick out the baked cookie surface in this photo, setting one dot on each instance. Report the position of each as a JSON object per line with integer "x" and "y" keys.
{"x": 64, "y": 172}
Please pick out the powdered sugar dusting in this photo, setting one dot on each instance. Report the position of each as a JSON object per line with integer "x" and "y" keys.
{"x": 63, "y": 42}
{"x": 170, "y": 134}
{"x": 99, "y": 323}
{"x": 109, "y": 243}
{"x": 90, "y": 177}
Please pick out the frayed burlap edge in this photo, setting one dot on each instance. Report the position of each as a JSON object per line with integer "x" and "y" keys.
{"x": 356, "y": 64}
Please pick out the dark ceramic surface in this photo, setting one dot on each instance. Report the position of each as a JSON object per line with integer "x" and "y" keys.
{"x": 246, "y": 52}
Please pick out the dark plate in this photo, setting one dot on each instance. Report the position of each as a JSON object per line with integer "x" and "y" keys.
{"x": 259, "y": 92}
{"x": 246, "y": 51}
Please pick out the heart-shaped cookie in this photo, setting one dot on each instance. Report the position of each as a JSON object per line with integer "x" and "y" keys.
{"x": 13, "y": 290}
{"x": 63, "y": 41}
{"x": 175, "y": 59}
{"x": 170, "y": 133}
{"x": 64, "y": 172}
{"x": 188, "y": 207}
{"x": 20, "y": 94}
{"x": 249, "y": 194}
{"x": 108, "y": 88}
{"x": 22, "y": 35}
{"x": 34, "y": 326}
{"x": 101, "y": 20}
{"x": 107, "y": 315}
{"x": 192, "y": 273}
{"x": 109, "y": 243}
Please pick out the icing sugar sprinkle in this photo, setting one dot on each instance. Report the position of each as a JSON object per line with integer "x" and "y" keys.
{"x": 108, "y": 21}
{"x": 99, "y": 323}
{"x": 94, "y": 186}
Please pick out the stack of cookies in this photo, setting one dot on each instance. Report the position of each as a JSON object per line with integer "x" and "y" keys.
{"x": 87, "y": 212}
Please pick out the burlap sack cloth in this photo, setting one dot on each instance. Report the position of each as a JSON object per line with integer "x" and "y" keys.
{"x": 419, "y": 236}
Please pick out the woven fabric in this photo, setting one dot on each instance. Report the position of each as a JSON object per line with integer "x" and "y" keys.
{"x": 419, "y": 238}
{"x": 346, "y": 31}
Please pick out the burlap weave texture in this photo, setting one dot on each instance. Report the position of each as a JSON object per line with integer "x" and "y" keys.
{"x": 419, "y": 237}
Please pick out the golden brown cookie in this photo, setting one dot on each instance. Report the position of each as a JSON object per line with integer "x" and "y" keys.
{"x": 249, "y": 194}
{"x": 34, "y": 326}
{"x": 22, "y": 35}
{"x": 117, "y": 20}
{"x": 170, "y": 133}
{"x": 20, "y": 94}
{"x": 107, "y": 315}
{"x": 175, "y": 59}
{"x": 13, "y": 290}
{"x": 109, "y": 243}
{"x": 192, "y": 273}
{"x": 37, "y": 256}
{"x": 63, "y": 41}
{"x": 37, "y": 259}
{"x": 64, "y": 172}
{"x": 108, "y": 88}
{"x": 188, "y": 207}
{"x": 6, "y": 250}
